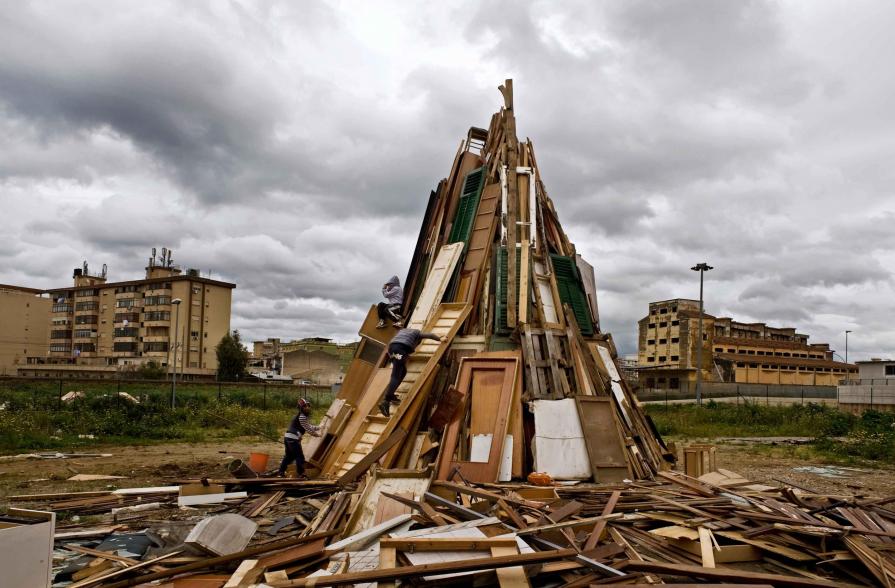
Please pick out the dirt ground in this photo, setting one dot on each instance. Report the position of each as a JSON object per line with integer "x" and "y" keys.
{"x": 148, "y": 465}
{"x": 158, "y": 465}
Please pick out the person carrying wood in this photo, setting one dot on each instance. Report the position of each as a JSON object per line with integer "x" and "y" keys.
{"x": 399, "y": 349}
{"x": 390, "y": 311}
{"x": 292, "y": 439}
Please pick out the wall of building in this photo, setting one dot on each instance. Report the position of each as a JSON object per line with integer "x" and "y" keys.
{"x": 320, "y": 367}
{"x": 874, "y": 369}
{"x": 24, "y": 326}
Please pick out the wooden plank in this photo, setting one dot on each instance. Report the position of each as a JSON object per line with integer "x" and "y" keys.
{"x": 425, "y": 543}
{"x": 246, "y": 572}
{"x": 388, "y": 559}
{"x": 364, "y": 464}
{"x": 605, "y": 446}
{"x": 600, "y": 525}
{"x": 436, "y": 283}
{"x": 524, "y": 277}
{"x": 431, "y": 569}
{"x": 143, "y": 564}
{"x": 706, "y": 548}
{"x": 513, "y": 577}
{"x": 731, "y": 574}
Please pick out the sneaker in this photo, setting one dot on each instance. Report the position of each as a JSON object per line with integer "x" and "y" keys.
{"x": 397, "y": 324}
{"x": 380, "y": 324}
{"x": 384, "y": 407}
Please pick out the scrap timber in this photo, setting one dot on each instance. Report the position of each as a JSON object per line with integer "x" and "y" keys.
{"x": 523, "y": 387}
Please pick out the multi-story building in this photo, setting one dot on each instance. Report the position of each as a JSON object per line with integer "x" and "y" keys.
{"x": 24, "y": 326}
{"x": 732, "y": 351}
{"x": 101, "y": 329}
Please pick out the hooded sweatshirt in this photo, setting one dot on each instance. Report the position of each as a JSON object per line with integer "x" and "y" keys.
{"x": 393, "y": 291}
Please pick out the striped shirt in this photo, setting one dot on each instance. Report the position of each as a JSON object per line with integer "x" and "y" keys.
{"x": 293, "y": 432}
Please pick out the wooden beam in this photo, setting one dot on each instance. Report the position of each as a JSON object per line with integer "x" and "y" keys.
{"x": 731, "y": 575}
{"x": 375, "y": 454}
{"x": 446, "y": 543}
{"x": 600, "y": 525}
{"x": 503, "y": 561}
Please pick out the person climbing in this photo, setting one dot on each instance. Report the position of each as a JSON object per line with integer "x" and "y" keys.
{"x": 292, "y": 440}
{"x": 399, "y": 349}
{"x": 390, "y": 311}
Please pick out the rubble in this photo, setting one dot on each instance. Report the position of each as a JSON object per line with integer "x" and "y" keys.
{"x": 522, "y": 386}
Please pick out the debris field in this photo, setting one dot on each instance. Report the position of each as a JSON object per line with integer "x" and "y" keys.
{"x": 517, "y": 455}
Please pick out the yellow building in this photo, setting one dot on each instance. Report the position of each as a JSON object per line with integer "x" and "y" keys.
{"x": 107, "y": 329}
{"x": 732, "y": 351}
{"x": 24, "y": 326}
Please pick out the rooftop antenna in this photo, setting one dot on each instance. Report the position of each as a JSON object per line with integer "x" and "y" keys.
{"x": 152, "y": 258}
{"x": 164, "y": 255}
{"x": 105, "y": 268}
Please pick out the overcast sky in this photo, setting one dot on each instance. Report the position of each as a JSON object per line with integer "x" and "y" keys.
{"x": 291, "y": 147}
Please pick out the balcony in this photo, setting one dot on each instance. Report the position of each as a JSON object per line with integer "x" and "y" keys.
{"x": 85, "y": 336}
{"x": 63, "y": 308}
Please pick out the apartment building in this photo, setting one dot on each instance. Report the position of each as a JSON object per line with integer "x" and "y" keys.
{"x": 732, "y": 351}
{"x": 24, "y": 326}
{"x": 107, "y": 329}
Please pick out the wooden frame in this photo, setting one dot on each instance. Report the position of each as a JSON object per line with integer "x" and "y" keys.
{"x": 481, "y": 472}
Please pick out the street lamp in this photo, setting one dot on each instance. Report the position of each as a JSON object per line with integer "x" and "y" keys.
{"x": 701, "y": 268}
{"x": 176, "y": 302}
{"x": 846, "y": 346}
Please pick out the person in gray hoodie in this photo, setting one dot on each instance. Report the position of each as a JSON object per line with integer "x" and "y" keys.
{"x": 390, "y": 311}
{"x": 402, "y": 345}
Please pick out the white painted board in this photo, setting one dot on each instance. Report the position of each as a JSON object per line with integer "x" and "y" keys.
{"x": 559, "y": 447}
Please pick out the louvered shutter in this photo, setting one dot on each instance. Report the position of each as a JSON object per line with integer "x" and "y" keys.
{"x": 568, "y": 282}
{"x": 468, "y": 205}
{"x": 500, "y": 291}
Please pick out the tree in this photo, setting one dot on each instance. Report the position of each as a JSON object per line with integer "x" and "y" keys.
{"x": 232, "y": 358}
{"x": 151, "y": 370}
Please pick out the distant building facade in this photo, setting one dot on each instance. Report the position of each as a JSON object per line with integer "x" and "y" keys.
{"x": 873, "y": 388}
{"x": 314, "y": 360}
{"x": 732, "y": 351}
{"x": 24, "y": 326}
{"x": 106, "y": 329}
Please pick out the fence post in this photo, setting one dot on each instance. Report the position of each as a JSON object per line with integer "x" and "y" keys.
{"x": 871, "y": 397}
{"x": 264, "y": 404}
{"x": 767, "y": 397}
{"x": 803, "y": 395}
{"x": 219, "y": 392}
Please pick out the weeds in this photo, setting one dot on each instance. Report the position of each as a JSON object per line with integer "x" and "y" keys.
{"x": 835, "y": 434}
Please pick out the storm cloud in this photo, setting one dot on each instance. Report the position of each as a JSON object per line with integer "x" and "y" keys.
{"x": 290, "y": 148}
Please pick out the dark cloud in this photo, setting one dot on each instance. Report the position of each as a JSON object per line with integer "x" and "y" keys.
{"x": 291, "y": 148}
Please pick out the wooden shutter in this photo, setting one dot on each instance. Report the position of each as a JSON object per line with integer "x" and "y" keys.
{"x": 500, "y": 291}
{"x": 469, "y": 203}
{"x": 570, "y": 291}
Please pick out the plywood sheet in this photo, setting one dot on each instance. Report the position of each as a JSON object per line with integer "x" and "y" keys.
{"x": 436, "y": 283}
{"x": 559, "y": 448}
{"x": 605, "y": 446}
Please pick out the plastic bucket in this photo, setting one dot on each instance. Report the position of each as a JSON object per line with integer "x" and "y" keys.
{"x": 258, "y": 462}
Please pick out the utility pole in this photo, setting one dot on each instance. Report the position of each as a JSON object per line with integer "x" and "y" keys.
{"x": 847, "y": 374}
{"x": 176, "y": 302}
{"x": 701, "y": 268}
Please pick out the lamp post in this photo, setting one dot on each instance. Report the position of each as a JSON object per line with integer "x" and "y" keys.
{"x": 176, "y": 302}
{"x": 846, "y": 346}
{"x": 701, "y": 268}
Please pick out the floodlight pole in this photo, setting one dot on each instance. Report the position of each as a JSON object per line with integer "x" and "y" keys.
{"x": 701, "y": 268}
{"x": 176, "y": 302}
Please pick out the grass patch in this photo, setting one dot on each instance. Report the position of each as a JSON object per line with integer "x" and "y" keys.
{"x": 836, "y": 435}
{"x": 110, "y": 420}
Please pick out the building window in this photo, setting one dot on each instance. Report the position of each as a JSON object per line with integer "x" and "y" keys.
{"x": 650, "y": 382}
{"x": 674, "y": 309}
{"x": 651, "y": 325}
{"x": 890, "y": 370}
{"x": 87, "y": 305}
{"x": 675, "y": 340}
{"x": 674, "y": 383}
{"x": 675, "y": 323}
{"x": 158, "y": 315}
{"x": 661, "y": 381}
{"x": 124, "y": 346}
{"x": 663, "y": 311}
{"x": 661, "y": 358}
{"x": 663, "y": 341}
{"x": 765, "y": 366}
{"x": 719, "y": 350}
{"x": 705, "y": 336}
{"x": 155, "y": 346}
{"x": 650, "y": 359}
{"x": 674, "y": 358}
{"x": 663, "y": 324}
{"x": 650, "y": 341}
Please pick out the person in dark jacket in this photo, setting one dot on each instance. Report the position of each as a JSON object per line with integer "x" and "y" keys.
{"x": 402, "y": 345}
{"x": 390, "y": 311}
{"x": 292, "y": 439}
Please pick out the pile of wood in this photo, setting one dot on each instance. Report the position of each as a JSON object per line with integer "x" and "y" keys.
{"x": 523, "y": 386}
{"x": 523, "y": 379}
{"x": 404, "y": 526}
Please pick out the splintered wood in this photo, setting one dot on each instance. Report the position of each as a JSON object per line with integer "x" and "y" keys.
{"x": 522, "y": 385}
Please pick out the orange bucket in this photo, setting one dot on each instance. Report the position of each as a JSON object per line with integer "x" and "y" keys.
{"x": 258, "y": 462}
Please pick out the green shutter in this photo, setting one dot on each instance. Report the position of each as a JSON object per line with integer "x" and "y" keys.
{"x": 468, "y": 205}
{"x": 500, "y": 290}
{"x": 568, "y": 282}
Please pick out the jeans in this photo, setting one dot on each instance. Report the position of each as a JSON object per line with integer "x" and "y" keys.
{"x": 399, "y": 367}
{"x": 388, "y": 312}
{"x": 293, "y": 453}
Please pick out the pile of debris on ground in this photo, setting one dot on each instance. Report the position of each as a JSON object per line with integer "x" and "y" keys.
{"x": 517, "y": 455}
